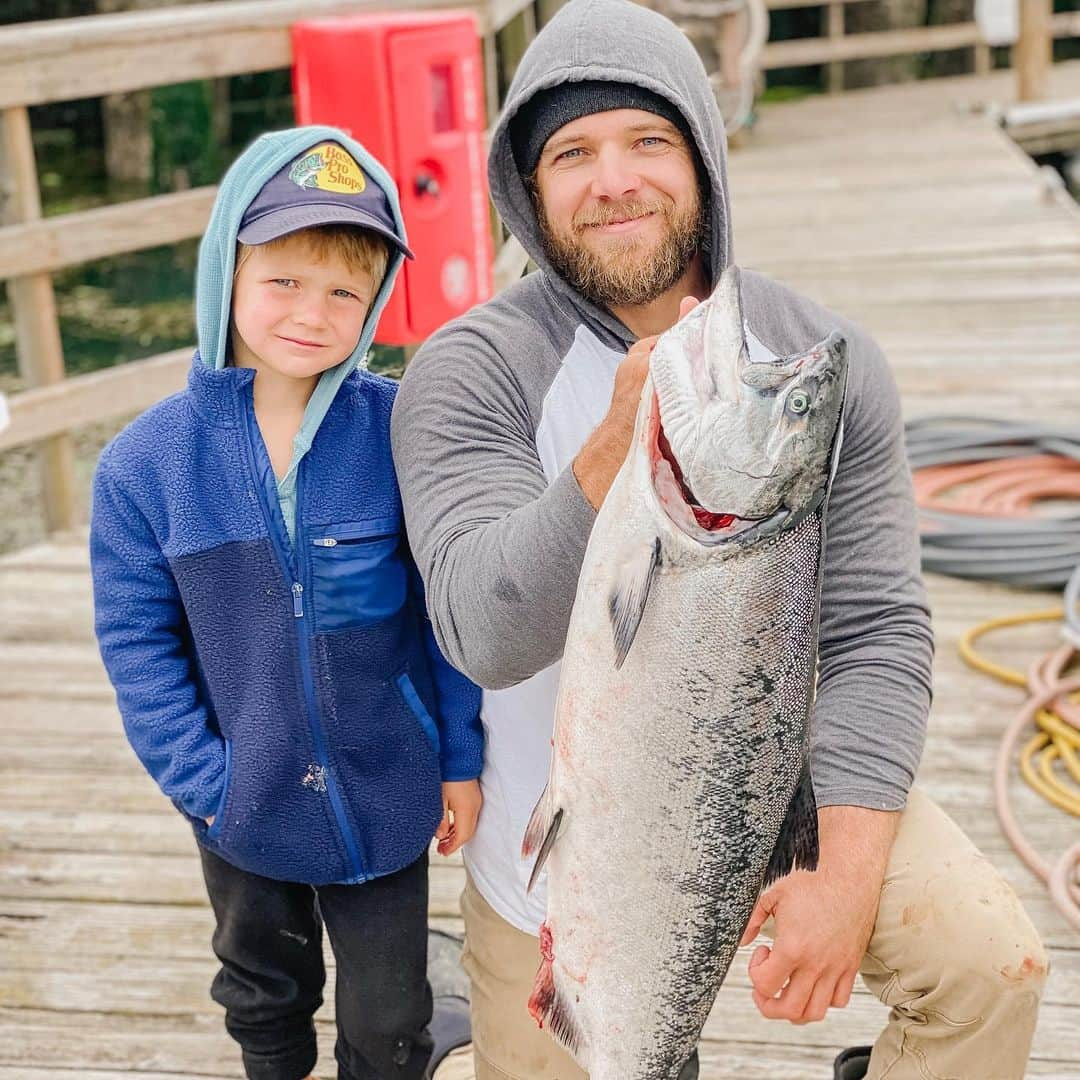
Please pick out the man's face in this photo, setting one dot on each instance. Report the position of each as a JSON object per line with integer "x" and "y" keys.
{"x": 620, "y": 212}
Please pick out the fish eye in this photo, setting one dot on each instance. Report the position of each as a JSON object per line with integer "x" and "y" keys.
{"x": 798, "y": 401}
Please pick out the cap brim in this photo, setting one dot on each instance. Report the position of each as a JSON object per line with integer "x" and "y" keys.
{"x": 289, "y": 219}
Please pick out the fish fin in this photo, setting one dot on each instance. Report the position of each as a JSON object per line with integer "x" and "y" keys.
{"x": 628, "y": 598}
{"x": 545, "y": 849}
{"x": 797, "y": 845}
{"x": 539, "y": 824}
{"x": 541, "y": 833}
{"x": 549, "y": 1009}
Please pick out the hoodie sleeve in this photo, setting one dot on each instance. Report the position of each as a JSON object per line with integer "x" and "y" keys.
{"x": 876, "y": 643}
{"x": 461, "y": 735}
{"x": 499, "y": 548}
{"x": 139, "y": 622}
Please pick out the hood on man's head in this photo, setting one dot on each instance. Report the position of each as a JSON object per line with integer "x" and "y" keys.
{"x": 285, "y": 181}
{"x": 617, "y": 41}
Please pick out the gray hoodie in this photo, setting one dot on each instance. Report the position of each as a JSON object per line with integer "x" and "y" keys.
{"x": 495, "y": 406}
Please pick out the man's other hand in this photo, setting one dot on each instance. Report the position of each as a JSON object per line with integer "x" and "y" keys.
{"x": 823, "y": 921}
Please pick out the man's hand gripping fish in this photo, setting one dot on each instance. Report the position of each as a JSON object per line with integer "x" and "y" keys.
{"x": 679, "y": 784}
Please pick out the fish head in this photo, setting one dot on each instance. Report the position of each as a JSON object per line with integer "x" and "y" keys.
{"x": 739, "y": 449}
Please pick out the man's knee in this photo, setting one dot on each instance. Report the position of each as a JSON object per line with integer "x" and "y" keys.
{"x": 991, "y": 940}
{"x": 965, "y": 946}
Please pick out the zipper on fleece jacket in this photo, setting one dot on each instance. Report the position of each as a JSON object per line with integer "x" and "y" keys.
{"x": 292, "y": 568}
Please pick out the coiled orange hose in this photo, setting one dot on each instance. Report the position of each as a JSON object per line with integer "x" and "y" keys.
{"x": 977, "y": 492}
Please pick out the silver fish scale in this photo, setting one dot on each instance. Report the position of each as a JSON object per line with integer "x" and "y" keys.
{"x": 674, "y": 774}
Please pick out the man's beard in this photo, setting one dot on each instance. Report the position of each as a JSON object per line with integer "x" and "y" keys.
{"x": 631, "y": 271}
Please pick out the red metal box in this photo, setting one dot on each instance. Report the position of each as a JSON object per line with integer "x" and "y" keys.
{"x": 410, "y": 87}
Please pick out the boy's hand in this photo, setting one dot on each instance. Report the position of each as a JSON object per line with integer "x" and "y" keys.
{"x": 461, "y": 808}
{"x": 210, "y": 819}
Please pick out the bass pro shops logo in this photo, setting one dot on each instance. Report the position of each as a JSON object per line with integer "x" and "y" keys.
{"x": 328, "y": 168}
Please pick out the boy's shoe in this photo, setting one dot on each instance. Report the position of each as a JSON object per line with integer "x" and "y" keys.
{"x": 852, "y": 1063}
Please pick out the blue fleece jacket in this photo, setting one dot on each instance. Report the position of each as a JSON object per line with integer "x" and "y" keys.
{"x": 291, "y": 688}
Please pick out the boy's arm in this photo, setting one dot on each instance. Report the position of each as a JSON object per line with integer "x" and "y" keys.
{"x": 461, "y": 736}
{"x": 139, "y": 621}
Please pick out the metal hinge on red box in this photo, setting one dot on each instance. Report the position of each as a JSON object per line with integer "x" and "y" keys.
{"x": 410, "y": 87}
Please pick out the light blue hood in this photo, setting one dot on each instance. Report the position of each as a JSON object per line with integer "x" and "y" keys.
{"x": 217, "y": 255}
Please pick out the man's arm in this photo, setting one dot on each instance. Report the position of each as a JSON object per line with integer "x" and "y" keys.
{"x": 499, "y": 548}
{"x": 876, "y": 642}
{"x": 869, "y": 722}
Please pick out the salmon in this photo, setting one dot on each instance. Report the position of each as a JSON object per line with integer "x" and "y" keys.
{"x": 679, "y": 784}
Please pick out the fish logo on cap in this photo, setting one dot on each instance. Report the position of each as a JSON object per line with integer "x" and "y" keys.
{"x": 328, "y": 167}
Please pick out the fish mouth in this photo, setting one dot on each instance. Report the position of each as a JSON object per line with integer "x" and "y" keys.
{"x": 685, "y": 510}
{"x": 709, "y": 520}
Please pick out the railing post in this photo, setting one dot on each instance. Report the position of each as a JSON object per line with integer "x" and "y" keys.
{"x": 33, "y": 305}
{"x": 1033, "y": 52}
{"x": 514, "y": 39}
{"x": 834, "y": 28}
{"x": 546, "y": 9}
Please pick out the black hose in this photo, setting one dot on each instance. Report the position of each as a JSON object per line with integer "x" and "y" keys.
{"x": 1040, "y": 552}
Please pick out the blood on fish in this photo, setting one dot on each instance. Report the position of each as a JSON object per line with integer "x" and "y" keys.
{"x": 543, "y": 994}
{"x": 547, "y": 949}
{"x": 707, "y": 519}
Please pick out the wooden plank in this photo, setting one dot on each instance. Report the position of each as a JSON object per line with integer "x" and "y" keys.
{"x": 63, "y": 551}
{"x": 784, "y": 5}
{"x": 122, "y": 390}
{"x": 33, "y": 305}
{"x": 156, "y": 1043}
{"x": 40, "y": 247}
{"x": 1065, "y": 24}
{"x": 801, "y": 52}
{"x": 134, "y": 984}
{"x": 63, "y": 59}
{"x": 834, "y": 30}
{"x": 152, "y": 879}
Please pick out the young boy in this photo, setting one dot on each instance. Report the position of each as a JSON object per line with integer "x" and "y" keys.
{"x": 262, "y": 622}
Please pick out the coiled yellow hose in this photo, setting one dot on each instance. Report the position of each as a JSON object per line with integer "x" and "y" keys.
{"x": 1053, "y": 709}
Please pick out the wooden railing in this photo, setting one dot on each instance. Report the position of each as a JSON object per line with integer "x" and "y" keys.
{"x": 68, "y": 59}
{"x": 104, "y": 54}
{"x": 1039, "y": 27}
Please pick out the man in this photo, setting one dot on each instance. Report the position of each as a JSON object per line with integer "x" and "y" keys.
{"x": 608, "y": 164}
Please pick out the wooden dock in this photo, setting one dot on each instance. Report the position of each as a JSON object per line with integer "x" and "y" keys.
{"x": 904, "y": 208}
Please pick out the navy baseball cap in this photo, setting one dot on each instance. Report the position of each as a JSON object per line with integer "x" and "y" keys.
{"x": 323, "y": 186}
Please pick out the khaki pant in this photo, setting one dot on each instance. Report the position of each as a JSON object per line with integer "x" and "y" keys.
{"x": 953, "y": 954}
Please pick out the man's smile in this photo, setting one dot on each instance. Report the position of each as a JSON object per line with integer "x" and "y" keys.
{"x": 621, "y": 225}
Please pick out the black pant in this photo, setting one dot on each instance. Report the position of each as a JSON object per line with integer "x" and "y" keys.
{"x": 269, "y": 941}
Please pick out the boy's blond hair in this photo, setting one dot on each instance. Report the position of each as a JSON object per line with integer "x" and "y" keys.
{"x": 360, "y": 249}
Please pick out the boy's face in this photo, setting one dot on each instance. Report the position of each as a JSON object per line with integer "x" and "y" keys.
{"x": 297, "y": 314}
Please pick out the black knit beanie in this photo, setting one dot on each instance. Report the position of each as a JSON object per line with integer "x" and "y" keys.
{"x": 548, "y": 110}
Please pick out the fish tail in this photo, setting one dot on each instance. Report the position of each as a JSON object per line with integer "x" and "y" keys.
{"x": 547, "y": 1006}
{"x": 797, "y": 845}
